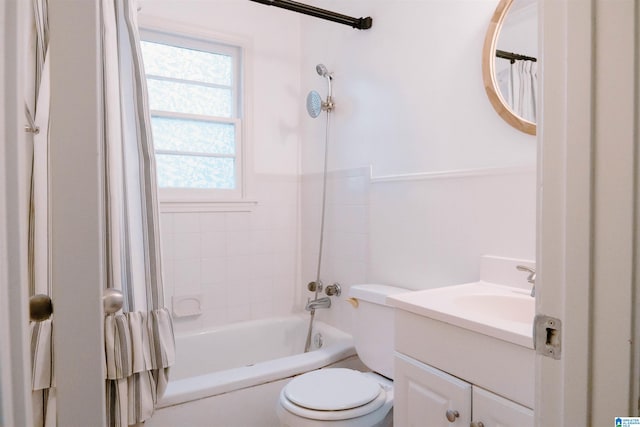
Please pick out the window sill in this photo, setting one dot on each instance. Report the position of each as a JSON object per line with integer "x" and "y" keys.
{"x": 170, "y": 206}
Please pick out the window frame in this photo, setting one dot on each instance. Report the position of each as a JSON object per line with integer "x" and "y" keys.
{"x": 197, "y": 199}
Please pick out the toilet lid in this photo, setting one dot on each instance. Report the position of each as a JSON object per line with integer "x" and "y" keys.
{"x": 332, "y": 389}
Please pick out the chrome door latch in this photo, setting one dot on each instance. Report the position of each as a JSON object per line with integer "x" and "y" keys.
{"x": 547, "y": 336}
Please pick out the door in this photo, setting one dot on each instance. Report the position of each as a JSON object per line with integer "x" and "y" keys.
{"x": 76, "y": 195}
{"x": 425, "y": 396}
{"x": 588, "y": 210}
{"x": 15, "y": 390}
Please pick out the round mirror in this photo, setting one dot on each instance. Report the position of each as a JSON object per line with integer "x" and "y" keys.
{"x": 509, "y": 63}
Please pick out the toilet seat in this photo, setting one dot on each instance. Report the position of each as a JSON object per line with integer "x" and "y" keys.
{"x": 332, "y": 394}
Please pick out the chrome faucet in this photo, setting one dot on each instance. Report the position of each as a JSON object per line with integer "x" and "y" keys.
{"x": 531, "y": 278}
{"x": 324, "y": 302}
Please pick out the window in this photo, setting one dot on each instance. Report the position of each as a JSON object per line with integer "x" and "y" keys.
{"x": 194, "y": 98}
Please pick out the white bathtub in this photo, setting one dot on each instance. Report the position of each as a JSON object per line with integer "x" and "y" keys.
{"x": 231, "y": 376}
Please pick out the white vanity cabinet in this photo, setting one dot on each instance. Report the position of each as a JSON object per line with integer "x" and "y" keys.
{"x": 425, "y": 396}
{"x": 429, "y": 397}
{"x": 494, "y": 411}
{"x": 464, "y": 354}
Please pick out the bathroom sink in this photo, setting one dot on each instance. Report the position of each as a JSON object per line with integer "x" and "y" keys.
{"x": 510, "y": 308}
{"x": 499, "y": 311}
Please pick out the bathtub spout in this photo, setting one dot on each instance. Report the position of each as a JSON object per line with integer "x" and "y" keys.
{"x": 324, "y": 302}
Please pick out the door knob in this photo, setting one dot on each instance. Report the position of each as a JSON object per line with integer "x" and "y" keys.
{"x": 40, "y": 307}
{"x": 112, "y": 300}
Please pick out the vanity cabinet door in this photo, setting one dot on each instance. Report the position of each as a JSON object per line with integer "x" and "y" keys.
{"x": 427, "y": 397}
{"x": 494, "y": 411}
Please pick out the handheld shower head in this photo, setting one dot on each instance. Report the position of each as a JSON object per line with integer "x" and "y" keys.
{"x": 323, "y": 72}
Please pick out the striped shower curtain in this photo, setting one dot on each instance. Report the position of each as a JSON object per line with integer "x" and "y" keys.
{"x": 37, "y": 116}
{"x": 139, "y": 342}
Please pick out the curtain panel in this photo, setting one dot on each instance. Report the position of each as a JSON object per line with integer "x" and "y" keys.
{"x": 524, "y": 88}
{"x": 37, "y": 102}
{"x": 139, "y": 342}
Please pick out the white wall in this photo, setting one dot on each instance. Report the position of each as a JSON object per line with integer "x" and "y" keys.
{"x": 244, "y": 265}
{"x": 410, "y": 104}
{"x": 408, "y": 92}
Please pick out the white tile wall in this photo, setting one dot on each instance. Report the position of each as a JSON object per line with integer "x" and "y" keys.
{"x": 243, "y": 264}
{"x": 416, "y": 233}
{"x": 428, "y": 233}
{"x": 346, "y": 244}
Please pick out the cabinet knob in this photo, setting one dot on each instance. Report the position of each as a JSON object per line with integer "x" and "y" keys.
{"x": 452, "y": 415}
{"x": 477, "y": 424}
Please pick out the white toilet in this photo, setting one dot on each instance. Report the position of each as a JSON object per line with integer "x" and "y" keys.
{"x": 340, "y": 397}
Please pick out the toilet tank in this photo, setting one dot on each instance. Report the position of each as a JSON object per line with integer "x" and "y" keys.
{"x": 373, "y": 326}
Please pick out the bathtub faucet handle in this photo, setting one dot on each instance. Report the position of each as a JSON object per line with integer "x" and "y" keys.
{"x": 315, "y": 286}
{"x": 334, "y": 289}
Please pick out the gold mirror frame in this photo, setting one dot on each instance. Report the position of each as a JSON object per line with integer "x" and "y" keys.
{"x": 488, "y": 71}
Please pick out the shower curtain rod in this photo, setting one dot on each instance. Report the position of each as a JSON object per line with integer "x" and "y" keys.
{"x": 514, "y": 56}
{"x": 359, "y": 23}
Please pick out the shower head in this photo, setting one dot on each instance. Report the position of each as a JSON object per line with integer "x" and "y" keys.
{"x": 314, "y": 104}
{"x": 322, "y": 71}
